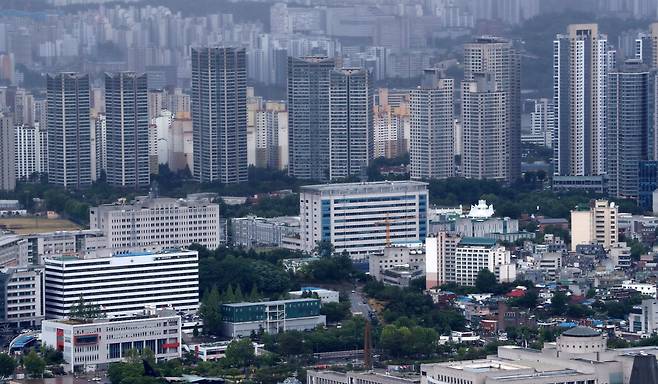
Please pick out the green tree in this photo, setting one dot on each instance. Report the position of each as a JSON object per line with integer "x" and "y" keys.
{"x": 211, "y": 312}
{"x": 85, "y": 311}
{"x": 335, "y": 312}
{"x": 240, "y": 353}
{"x": 7, "y": 365}
{"x": 34, "y": 364}
{"x": 559, "y": 303}
{"x": 324, "y": 249}
{"x": 52, "y": 356}
{"x": 486, "y": 281}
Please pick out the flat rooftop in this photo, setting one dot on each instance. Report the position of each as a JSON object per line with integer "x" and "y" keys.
{"x": 366, "y": 187}
{"x": 273, "y": 302}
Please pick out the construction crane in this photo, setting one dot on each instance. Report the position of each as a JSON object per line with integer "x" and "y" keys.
{"x": 387, "y": 222}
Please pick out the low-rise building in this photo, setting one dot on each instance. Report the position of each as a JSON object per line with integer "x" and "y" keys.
{"x": 401, "y": 275}
{"x": 214, "y": 351}
{"x": 63, "y": 242}
{"x": 643, "y": 288}
{"x": 579, "y": 356}
{"x": 13, "y": 251}
{"x": 411, "y": 255}
{"x": 645, "y": 322}
{"x": 325, "y": 295}
{"x": 243, "y": 319}
{"x": 371, "y": 377}
{"x": 255, "y": 231}
{"x": 94, "y": 344}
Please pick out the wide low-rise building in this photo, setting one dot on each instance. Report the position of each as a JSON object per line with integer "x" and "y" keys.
{"x": 122, "y": 284}
{"x": 41, "y": 245}
{"x": 254, "y": 231}
{"x": 410, "y": 255}
{"x": 96, "y": 343}
{"x": 580, "y": 356}
{"x": 243, "y": 319}
{"x": 371, "y": 377}
{"x": 361, "y": 218}
{"x": 156, "y": 223}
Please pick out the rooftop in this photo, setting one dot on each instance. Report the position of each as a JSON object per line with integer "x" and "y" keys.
{"x": 375, "y": 186}
{"x": 273, "y": 302}
{"x": 581, "y": 332}
{"x": 478, "y": 241}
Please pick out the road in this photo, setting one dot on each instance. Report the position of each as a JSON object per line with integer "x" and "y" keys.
{"x": 358, "y": 303}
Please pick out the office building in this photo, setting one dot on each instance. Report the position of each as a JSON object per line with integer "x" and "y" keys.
{"x": 21, "y": 293}
{"x": 31, "y": 151}
{"x": 432, "y": 123}
{"x": 13, "y": 251}
{"x": 40, "y": 245}
{"x": 157, "y": 223}
{"x": 254, "y": 231}
{"x": 94, "y": 344}
{"x": 580, "y": 68}
{"x": 219, "y": 114}
{"x": 498, "y": 58}
{"x": 597, "y": 224}
{"x": 127, "y": 129}
{"x": 351, "y": 132}
{"x": 485, "y": 127}
{"x": 580, "y": 355}
{"x": 308, "y": 117}
{"x": 411, "y": 256}
{"x": 122, "y": 283}
{"x": 245, "y": 319}
{"x": 361, "y": 218}
{"x": 647, "y": 184}
{"x": 7, "y": 154}
{"x": 630, "y": 130}
{"x": 69, "y": 130}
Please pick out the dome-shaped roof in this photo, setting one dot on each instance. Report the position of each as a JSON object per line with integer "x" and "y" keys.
{"x": 581, "y": 332}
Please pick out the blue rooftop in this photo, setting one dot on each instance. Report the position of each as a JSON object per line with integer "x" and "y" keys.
{"x": 478, "y": 241}
{"x": 22, "y": 341}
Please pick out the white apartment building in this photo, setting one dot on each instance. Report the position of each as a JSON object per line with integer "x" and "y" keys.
{"x": 123, "y": 284}
{"x": 596, "y": 225}
{"x": 643, "y": 288}
{"x": 159, "y": 223}
{"x": 361, "y": 218}
{"x": 22, "y": 288}
{"x": 452, "y": 258}
{"x": 94, "y": 344}
{"x": 31, "y": 150}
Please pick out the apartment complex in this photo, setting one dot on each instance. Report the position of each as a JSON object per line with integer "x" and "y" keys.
{"x": 580, "y": 68}
{"x": 497, "y": 59}
{"x": 96, "y": 343}
{"x": 122, "y": 284}
{"x": 243, "y": 319}
{"x": 69, "y": 130}
{"x": 127, "y": 130}
{"x": 31, "y": 150}
{"x": 432, "y": 128}
{"x": 361, "y": 218}
{"x": 597, "y": 224}
{"x": 7, "y": 154}
{"x": 455, "y": 259}
{"x": 219, "y": 114}
{"x": 156, "y": 223}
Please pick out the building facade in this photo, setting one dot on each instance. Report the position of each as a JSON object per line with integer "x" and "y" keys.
{"x": 597, "y": 224}
{"x": 499, "y": 58}
{"x": 351, "y": 144}
{"x": 122, "y": 284}
{"x": 7, "y": 154}
{"x": 361, "y": 218}
{"x": 308, "y": 117}
{"x": 219, "y": 114}
{"x": 69, "y": 130}
{"x": 126, "y": 130}
{"x": 244, "y": 319}
{"x": 485, "y": 119}
{"x": 258, "y": 231}
{"x": 580, "y": 67}
{"x": 630, "y": 127}
{"x": 31, "y": 150}
{"x": 432, "y": 128}
{"x": 155, "y": 223}
{"x": 96, "y": 343}
{"x": 21, "y": 292}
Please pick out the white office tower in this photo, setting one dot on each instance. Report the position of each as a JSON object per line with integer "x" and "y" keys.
{"x": 31, "y": 151}
{"x": 157, "y": 223}
{"x": 7, "y": 154}
{"x": 122, "y": 284}
{"x": 485, "y": 131}
{"x": 432, "y": 123}
{"x": 350, "y": 123}
{"x": 580, "y": 68}
{"x": 361, "y": 218}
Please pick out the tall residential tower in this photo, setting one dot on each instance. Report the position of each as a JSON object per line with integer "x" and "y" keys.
{"x": 219, "y": 114}
{"x": 127, "y": 124}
